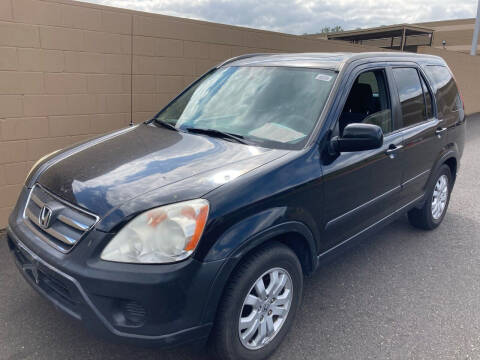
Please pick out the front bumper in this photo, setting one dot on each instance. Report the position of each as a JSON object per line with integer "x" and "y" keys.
{"x": 158, "y": 305}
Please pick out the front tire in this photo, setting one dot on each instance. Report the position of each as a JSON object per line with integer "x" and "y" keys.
{"x": 259, "y": 305}
{"x": 436, "y": 203}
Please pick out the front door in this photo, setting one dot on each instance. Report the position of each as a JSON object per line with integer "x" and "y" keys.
{"x": 364, "y": 186}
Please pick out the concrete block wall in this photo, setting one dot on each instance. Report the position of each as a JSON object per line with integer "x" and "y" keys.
{"x": 64, "y": 76}
{"x": 71, "y": 70}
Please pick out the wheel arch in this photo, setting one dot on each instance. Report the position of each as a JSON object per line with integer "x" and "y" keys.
{"x": 451, "y": 159}
{"x": 293, "y": 234}
{"x": 452, "y": 163}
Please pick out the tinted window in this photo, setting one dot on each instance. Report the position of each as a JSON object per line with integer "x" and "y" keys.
{"x": 368, "y": 102}
{"x": 448, "y": 98}
{"x": 411, "y": 95}
{"x": 428, "y": 99}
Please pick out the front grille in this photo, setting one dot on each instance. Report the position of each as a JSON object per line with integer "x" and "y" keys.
{"x": 66, "y": 224}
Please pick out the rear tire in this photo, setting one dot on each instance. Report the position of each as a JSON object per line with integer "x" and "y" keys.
{"x": 436, "y": 203}
{"x": 276, "y": 268}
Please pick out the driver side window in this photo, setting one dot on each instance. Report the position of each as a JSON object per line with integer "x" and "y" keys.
{"x": 368, "y": 102}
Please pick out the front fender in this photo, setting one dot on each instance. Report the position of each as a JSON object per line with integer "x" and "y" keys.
{"x": 240, "y": 240}
{"x": 253, "y": 230}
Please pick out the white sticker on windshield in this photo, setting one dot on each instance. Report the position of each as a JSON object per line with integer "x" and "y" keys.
{"x": 323, "y": 77}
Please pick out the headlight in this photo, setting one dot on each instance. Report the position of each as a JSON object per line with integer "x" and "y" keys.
{"x": 166, "y": 234}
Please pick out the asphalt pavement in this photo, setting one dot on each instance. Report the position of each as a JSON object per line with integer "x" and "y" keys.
{"x": 402, "y": 294}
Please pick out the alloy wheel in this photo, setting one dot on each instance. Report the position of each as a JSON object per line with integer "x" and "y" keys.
{"x": 265, "y": 308}
{"x": 440, "y": 197}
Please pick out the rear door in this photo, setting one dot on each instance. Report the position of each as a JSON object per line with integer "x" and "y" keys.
{"x": 423, "y": 133}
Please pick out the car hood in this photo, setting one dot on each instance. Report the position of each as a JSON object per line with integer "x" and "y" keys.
{"x": 103, "y": 174}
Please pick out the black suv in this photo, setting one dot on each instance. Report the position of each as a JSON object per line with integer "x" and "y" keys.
{"x": 201, "y": 223}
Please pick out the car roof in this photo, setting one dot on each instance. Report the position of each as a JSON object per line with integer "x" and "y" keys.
{"x": 333, "y": 61}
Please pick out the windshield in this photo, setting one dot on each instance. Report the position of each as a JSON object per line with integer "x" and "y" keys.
{"x": 268, "y": 106}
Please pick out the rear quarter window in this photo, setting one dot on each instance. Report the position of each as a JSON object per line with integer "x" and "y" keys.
{"x": 448, "y": 98}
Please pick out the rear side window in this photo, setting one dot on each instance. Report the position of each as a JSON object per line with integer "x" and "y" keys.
{"x": 448, "y": 98}
{"x": 411, "y": 96}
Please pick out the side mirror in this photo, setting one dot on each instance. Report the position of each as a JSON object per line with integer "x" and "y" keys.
{"x": 357, "y": 137}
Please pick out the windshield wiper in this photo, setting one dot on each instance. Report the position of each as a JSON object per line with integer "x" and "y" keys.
{"x": 165, "y": 124}
{"x": 217, "y": 133}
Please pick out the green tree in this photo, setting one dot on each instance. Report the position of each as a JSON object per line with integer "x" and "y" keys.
{"x": 333, "y": 29}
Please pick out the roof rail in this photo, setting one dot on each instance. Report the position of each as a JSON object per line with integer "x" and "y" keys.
{"x": 245, "y": 56}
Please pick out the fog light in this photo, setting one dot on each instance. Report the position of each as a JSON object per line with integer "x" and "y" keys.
{"x": 129, "y": 313}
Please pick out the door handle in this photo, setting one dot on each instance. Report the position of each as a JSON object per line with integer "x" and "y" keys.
{"x": 440, "y": 131}
{"x": 393, "y": 149}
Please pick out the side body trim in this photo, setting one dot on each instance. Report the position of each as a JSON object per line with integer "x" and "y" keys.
{"x": 359, "y": 234}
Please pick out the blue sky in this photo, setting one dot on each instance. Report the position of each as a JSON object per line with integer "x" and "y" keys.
{"x": 305, "y": 16}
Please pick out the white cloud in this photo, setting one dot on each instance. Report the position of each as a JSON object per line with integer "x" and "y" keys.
{"x": 304, "y": 16}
